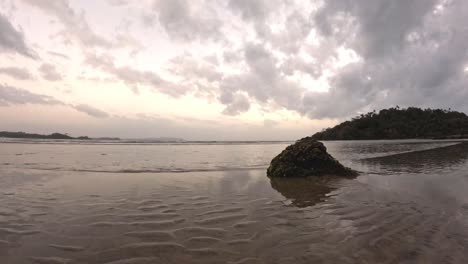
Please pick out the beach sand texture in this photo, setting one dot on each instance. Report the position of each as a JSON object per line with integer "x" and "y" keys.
{"x": 406, "y": 207}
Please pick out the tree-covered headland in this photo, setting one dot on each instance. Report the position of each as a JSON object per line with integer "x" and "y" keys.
{"x": 400, "y": 123}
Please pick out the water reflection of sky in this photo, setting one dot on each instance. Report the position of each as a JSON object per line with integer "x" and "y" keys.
{"x": 403, "y": 208}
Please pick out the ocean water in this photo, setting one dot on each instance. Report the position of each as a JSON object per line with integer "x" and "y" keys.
{"x": 127, "y": 203}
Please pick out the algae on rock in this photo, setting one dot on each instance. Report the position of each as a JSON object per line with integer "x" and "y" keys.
{"x": 307, "y": 157}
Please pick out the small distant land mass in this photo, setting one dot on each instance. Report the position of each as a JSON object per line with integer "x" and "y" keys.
{"x": 6, "y": 134}
{"x": 400, "y": 123}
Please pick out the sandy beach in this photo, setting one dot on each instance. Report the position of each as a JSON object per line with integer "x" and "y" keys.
{"x": 395, "y": 212}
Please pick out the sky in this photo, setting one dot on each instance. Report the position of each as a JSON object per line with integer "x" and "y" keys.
{"x": 224, "y": 69}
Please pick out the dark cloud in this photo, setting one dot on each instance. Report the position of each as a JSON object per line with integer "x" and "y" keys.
{"x": 133, "y": 77}
{"x": 262, "y": 82}
{"x": 190, "y": 67}
{"x": 12, "y": 40}
{"x": 256, "y": 12}
{"x": 258, "y": 82}
{"x": 292, "y": 22}
{"x": 413, "y": 53}
{"x": 198, "y": 75}
{"x": 91, "y": 111}
{"x": 17, "y": 73}
{"x": 184, "y": 22}
{"x": 14, "y": 96}
{"x": 236, "y": 103}
{"x": 261, "y": 62}
{"x": 50, "y": 73}
{"x": 253, "y": 10}
{"x": 58, "y": 54}
{"x": 232, "y": 56}
{"x": 408, "y": 53}
{"x": 382, "y": 26}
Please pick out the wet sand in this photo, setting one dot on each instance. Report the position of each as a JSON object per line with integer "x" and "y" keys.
{"x": 415, "y": 210}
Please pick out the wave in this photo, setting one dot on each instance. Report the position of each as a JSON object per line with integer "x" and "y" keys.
{"x": 158, "y": 170}
{"x": 134, "y": 142}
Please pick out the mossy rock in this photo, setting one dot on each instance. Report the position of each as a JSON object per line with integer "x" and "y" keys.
{"x": 307, "y": 157}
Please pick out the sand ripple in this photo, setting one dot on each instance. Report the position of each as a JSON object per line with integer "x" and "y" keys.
{"x": 332, "y": 222}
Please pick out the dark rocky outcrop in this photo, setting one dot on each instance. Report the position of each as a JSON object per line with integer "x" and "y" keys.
{"x": 307, "y": 157}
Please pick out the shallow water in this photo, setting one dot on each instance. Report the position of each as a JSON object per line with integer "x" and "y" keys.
{"x": 194, "y": 203}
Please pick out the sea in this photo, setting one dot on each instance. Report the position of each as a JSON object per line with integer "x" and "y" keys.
{"x": 142, "y": 202}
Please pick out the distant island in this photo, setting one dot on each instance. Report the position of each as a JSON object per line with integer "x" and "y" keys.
{"x": 400, "y": 123}
{"x": 7, "y": 134}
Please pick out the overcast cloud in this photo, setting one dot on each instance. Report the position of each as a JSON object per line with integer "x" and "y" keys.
{"x": 11, "y": 39}
{"x": 91, "y": 111}
{"x": 265, "y": 61}
{"x": 17, "y": 73}
{"x": 10, "y": 96}
{"x": 49, "y": 72}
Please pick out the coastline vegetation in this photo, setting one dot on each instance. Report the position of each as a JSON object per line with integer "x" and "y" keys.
{"x": 7, "y": 134}
{"x": 400, "y": 123}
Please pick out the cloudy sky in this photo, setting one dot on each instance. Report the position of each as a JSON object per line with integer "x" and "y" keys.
{"x": 224, "y": 69}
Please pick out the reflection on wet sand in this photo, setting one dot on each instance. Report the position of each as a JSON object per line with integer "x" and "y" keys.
{"x": 420, "y": 161}
{"x": 303, "y": 192}
{"x": 240, "y": 216}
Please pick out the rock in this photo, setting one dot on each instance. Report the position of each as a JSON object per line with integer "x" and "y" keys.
{"x": 307, "y": 157}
